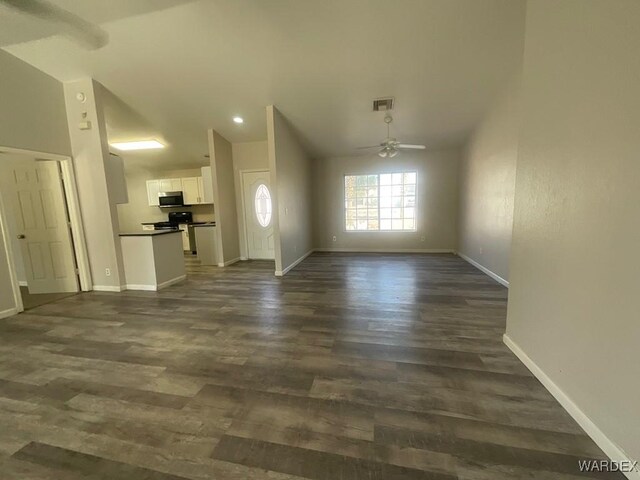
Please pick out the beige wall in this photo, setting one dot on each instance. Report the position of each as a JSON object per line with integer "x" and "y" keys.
{"x": 575, "y": 270}
{"x": 487, "y": 185}
{"x": 99, "y": 212}
{"x": 131, "y": 215}
{"x": 224, "y": 198}
{"x": 32, "y": 117}
{"x": 32, "y": 110}
{"x": 246, "y": 156}
{"x": 436, "y": 202}
{"x": 291, "y": 169}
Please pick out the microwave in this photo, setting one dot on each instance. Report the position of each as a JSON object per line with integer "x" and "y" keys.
{"x": 171, "y": 199}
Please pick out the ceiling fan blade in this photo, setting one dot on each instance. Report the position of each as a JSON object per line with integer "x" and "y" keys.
{"x": 372, "y": 146}
{"x": 411, "y": 146}
{"x": 87, "y": 34}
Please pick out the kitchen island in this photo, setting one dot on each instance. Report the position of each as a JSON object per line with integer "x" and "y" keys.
{"x": 152, "y": 259}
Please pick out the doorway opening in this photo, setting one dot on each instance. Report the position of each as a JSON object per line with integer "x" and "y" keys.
{"x": 41, "y": 228}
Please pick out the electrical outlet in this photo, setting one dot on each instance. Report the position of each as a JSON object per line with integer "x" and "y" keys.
{"x": 481, "y": 250}
{"x": 422, "y": 238}
{"x": 107, "y": 272}
{"x": 335, "y": 238}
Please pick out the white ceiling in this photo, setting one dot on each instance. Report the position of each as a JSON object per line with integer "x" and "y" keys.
{"x": 176, "y": 68}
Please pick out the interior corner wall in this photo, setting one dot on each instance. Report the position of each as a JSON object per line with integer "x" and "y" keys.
{"x": 246, "y": 156}
{"x": 437, "y": 202}
{"x": 575, "y": 268}
{"x": 487, "y": 185}
{"x": 99, "y": 212}
{"x": 291, "y": 169}
{"x": 32, "y": 117}
{"x": 224, "y": 198}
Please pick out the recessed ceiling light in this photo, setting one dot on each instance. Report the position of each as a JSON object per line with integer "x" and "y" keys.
{"x": 238, "y": 119}
{"x": 139, "y": 145}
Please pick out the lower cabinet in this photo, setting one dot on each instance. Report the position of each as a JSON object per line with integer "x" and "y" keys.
{"x": 207, "y": 244}
{"x": 186, "y": 244}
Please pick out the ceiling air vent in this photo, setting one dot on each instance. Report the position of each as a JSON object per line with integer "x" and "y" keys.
{"x": 383, "y": 104}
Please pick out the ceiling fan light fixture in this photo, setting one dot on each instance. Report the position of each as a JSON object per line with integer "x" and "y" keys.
{"x": 383, "y": 153}
{"x": 393, "y": 152}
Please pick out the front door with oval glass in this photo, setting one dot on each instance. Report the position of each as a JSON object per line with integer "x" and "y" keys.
{"x": 258, "y": 215}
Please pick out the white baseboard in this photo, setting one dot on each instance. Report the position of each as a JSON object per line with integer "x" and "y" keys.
{"x": 9, "y": 312}
{"x": 141, "y": 286}
{"x": 483, "y": 269}
{"x": 171, "y": 282}
{"x": 282, "y": 273}
{"x": 243, "y": 259}
{"x": 109, "y": 288}
{"x": 229, "y": 262}
{"x": 23, "y": 283}
{"x": 155, "y": 288}
{"x": 385, "y": 250}
{"x": 613, "y": 451}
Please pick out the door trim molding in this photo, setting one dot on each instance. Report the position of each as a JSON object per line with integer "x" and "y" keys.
{"x": 75, "y": 218}
{"x": 243, "y": 215}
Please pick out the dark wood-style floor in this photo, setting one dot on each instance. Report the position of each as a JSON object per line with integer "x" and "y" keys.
{"x": 33, "y": 300}
{"x": 351, "y": 367}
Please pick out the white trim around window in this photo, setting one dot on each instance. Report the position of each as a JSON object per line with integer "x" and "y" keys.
{"x": 380, "y": 202}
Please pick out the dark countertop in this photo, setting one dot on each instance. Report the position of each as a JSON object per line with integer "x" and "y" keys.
{"x": 148, "y": 233}
{"x": 193, "y": 224}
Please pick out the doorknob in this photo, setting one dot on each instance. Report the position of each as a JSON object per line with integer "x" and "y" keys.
{"x": 21, "y": 236}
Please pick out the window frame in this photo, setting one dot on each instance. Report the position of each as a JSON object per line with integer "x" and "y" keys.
{"x": 383, "y": 172}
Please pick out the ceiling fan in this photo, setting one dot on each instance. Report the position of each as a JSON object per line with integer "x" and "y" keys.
{"x": 88, "y": 35}
{"x": 391, "y": 147}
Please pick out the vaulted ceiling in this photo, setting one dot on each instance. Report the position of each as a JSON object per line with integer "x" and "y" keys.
{"x": 176, "y": 68}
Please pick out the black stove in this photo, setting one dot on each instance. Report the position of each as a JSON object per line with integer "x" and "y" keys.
{"x": 175, "y": 219}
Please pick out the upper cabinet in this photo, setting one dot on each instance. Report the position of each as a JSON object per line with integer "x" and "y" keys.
{"x": 195, "y": 190}
{"x": 191, "y": 191}
{"x": 207, "y": 185}
{"x": 170, "y": 184}
{"x": 153, "y": 190}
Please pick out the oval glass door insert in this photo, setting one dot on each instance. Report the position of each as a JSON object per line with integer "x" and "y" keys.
{"x": 263, "y": 205}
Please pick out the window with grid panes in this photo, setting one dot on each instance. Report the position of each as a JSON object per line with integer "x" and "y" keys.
{"x": 380, "y": 202}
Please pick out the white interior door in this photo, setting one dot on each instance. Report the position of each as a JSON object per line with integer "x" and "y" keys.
{"x": 43, "y": 228}
{"x": 258, "y": 214}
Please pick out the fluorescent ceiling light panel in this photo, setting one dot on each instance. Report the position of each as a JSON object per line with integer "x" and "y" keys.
{"x": 238, "y": 119}
{"x": 139, "y": 145}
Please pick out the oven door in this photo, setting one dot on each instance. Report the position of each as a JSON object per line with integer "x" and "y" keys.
{"x": 171, "y": 199}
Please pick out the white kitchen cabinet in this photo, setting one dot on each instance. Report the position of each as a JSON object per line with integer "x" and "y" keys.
{"x": 191, "y": 191}
{"x": 207, "y": 185}
{"x": 170, "y": 184}
{"x": 153, "y": 189}
{"x": 195, "y": 190}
